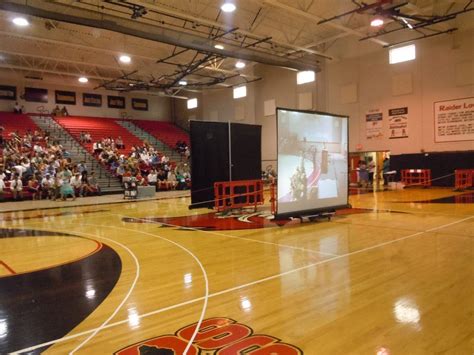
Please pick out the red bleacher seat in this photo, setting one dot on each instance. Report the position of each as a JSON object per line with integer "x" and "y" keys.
{"x": 98, "y": 127}
{"x": 166, "y": 132}
{"x": 15, "y": 122}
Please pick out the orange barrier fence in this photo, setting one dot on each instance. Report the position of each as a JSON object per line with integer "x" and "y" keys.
{"x": 463, "y": 178}
{"x": 416, "y": 177}
{"x": 273, "y": 197}
{"x": 238, "y": 194}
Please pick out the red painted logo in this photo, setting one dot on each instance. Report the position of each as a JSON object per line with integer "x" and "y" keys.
{"x": 231, "y": 221}
{"x": 217, "y": 336}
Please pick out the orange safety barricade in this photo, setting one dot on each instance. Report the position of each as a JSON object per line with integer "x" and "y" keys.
{"x": 416, "y": 177}
{"x": 273, "y": 197}
{"x": 464, "y": 178}
{"x": 238, "y": 194}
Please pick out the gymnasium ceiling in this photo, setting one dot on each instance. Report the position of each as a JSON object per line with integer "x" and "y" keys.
{"x": 68, "y": 38}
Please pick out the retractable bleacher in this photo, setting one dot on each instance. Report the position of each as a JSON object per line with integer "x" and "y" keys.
{"x": 165, "y": 132}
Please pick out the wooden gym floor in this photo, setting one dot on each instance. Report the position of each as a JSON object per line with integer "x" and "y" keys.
{"x": 393, "y": 275}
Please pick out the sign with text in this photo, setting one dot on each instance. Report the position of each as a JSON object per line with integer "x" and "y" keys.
{"x": 7, "y": 92}
{"x": 93, "y": 100}
{"x": 116, "y": 102}
{"x": 454, "y": 120}
{"x": 398, "y": 122}
{"x": 374, "y": 124}
{"x": 65, "y": 97}
{"x": 36, "y": 95}
{"x": 140, "y": 104}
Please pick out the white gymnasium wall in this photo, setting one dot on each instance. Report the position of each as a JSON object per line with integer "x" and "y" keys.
{"x": 357, "y": 85}
{"x": 159, "y": 108}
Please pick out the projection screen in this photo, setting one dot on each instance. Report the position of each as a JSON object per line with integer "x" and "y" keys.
{"x": 312, "y": 162}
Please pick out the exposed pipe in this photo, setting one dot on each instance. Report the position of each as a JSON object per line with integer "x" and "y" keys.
{"x": 172, "y": 37}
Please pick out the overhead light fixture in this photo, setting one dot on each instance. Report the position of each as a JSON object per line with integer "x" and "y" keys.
{"x": 409, "y": 25}
{"x": 376, "y": 22}
{"x": 20, "y": 21}
{"x": 125, "y": 59}
{"x": 183, "y": 82}
{"x": 228, "y": 7}
{"x": 240, "y": 65}
{"x": 219, "y": 46}
{"x": 83, "y": 79}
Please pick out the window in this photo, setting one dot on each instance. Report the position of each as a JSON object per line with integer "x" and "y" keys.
{"x": 402, "y": 54}
{"x": 240, "y": 91}
{"x": 192, "y": 103}
{"x": 304, "y": 77}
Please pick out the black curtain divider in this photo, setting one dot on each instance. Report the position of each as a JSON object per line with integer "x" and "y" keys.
{"x": 212, "y": 161}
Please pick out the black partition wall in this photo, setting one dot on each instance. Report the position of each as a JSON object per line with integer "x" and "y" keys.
{"x": 222, "y": 152}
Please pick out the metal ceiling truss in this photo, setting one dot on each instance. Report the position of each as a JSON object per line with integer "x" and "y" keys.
{"x": 385, "y": 8}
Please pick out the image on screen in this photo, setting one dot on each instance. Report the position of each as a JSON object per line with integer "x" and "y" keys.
{"x": 312, "y": 161}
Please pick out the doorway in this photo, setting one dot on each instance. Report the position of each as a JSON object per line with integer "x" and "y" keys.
{"x": 357, "y": 178}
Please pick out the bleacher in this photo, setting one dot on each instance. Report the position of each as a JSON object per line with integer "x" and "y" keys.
{"x": 12, "y": 122}
{"x": 99, "y": 128}
{"x": 166, "y": 132}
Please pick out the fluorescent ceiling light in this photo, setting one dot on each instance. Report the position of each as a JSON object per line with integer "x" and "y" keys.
{"x": 228, "y": 7}
{"x": 219, "y": 46}
{"x": 125, "y": 59}
{"x": 83, "y": 79}
{"x": 376, "y": 22}
{"x": 20, "y": 21}
{"x": 192, "y": 103}
{"x": 402, "y": 54}
{"x": 240, "y": 65}
{"x": 304, "y": 77}
{"x": 240, "y": 91}
{"x": 183, "y": 82}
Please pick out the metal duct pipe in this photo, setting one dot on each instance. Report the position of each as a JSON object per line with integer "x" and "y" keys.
{"x": 59, "y": 12}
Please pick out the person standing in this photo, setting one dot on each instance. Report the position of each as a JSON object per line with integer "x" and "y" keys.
{"x": 371, "y": 168}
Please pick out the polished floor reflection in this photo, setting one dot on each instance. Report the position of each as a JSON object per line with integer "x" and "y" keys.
{"x": 393, "y": 275}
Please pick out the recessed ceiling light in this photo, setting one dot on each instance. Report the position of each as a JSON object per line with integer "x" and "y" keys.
{"x": 83, "y": 79}
{"x": 20, "y": 21}
{"x": 376, "y": 22}
{"x": 125, "y": 59}
{"x": 228, "y": 7}
{"x": 240, "y": 65}
{"x": 219, "y": 46}
{"x": 183, "y": 82}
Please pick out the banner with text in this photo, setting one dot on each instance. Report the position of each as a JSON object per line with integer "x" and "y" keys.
{"x": 374, "y": 124}
{"x": 93, "y": 100}
{"x": 454, "y": 120}
{"x": 65, "y": 97}
{"x": 398, "y": 122}
{"x": 7, "y": 92}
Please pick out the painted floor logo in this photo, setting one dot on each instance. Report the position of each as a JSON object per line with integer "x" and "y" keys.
{"x": 217, "y": 336}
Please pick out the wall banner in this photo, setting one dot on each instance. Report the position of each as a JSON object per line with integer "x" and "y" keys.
{"x": 374, "y": 124}
{"x": 94, "y": 100}
{"x": 116, "y": 102}
{"x": 65, "y": 97}
{"x": 7, "y": 92}
{"x": 398, "y": 122}
{"x": 140, "y": 104}
{"x": 36, "y": 95}
{"x": 454, "y": 120}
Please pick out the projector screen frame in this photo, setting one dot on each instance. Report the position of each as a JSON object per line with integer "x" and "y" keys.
{"x": 313, "y": 211}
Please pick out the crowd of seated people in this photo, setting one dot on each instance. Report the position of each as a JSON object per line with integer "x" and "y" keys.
{"x": 144, "y": 163}
{"x": 33, "y": 167}
{"x": 60, "y": 112}
{"x": 183, "y": 149}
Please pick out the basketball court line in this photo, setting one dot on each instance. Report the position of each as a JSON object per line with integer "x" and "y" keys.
{"x": 225, "y": 291}
{"x": 8, "y": 268}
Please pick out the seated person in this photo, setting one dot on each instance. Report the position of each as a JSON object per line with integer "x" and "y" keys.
{"x": 17, "y": 108}
{"x": 34, "y": 188}
{"x": 16, "y": 187}
{"x": 56, "y": 111}
{"x": 153, "y": 178}
{"x": 76, "y": 184}
{"x": 47, "y": 186}
{"x": 64, "y": 112}
{"x": 119, "y": 143}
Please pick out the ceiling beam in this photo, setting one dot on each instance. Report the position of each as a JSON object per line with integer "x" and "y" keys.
{"x": 316, "y": 19}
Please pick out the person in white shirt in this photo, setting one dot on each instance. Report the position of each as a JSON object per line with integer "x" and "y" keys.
{"x": 16, "y": 187}
{"x": 153, "y": 178}
{"x": 2, "y": 188}
{"x": 47, "y": 186}
{"x": 76, "y": 183}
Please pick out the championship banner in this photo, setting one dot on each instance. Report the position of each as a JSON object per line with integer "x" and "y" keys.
{"x": 140, "y": 104}
{"x": 65, "y": 97}
{"x": 116, "y": 102}
{"x": 7, "y": 92}
{"x": 93, "y": 100}
{"x": 454, "y": 120}
{"x": 398, "y": 122}
{"x": 374, "y": 124}
{"x": 36, "y": 95}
